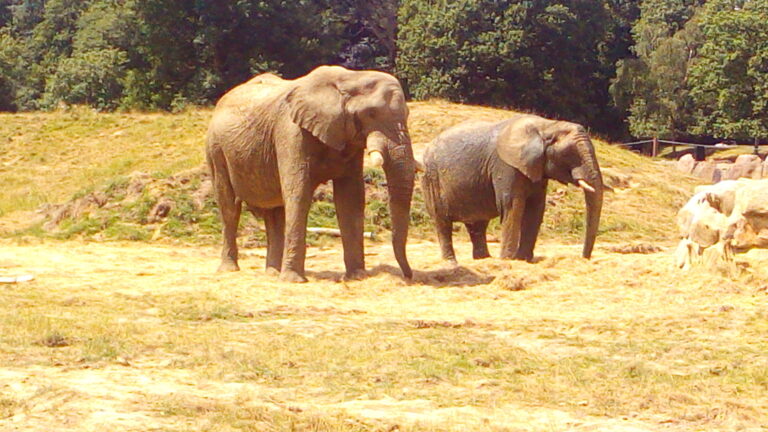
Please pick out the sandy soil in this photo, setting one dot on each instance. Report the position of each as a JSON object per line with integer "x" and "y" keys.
{"x": 561, "y": 288}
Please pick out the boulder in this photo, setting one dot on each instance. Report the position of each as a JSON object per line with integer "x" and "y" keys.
{"x": 731, "y": 216}
{"x": 707, "y": 171}
{"x": 686, "y": 164}
{"x": 160, "y": 210}
{"x": 746, "y": 166}
{"x": 616, "y": 179}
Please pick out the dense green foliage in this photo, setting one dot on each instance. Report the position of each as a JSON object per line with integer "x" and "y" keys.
{"x": 555, "y": 57}
{"x": 700, "y": 70}
{"x": 668, "y": 68}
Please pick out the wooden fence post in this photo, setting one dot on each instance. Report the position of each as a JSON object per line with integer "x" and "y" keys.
{"x": 757, "y": 147}
{"x": 655, "y": 148}
{"x": 700, "y": 153}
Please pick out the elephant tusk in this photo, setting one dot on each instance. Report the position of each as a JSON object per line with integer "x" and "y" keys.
{"x": 419, "y": 165}
{"x": 377, "y": 159}
{"x": 584, "y": 185}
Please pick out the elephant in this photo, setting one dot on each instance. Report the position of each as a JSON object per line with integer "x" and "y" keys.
{"x": 272, "y": 141}
{"x": 477, "y": 171}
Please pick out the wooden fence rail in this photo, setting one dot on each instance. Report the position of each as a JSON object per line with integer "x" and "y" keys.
{"x": 651, "y": 147}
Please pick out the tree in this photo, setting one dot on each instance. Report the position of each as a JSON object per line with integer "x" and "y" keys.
{"x": 101, "y": 50}
{"x": 729, "y": 77}
{"x": 370, "y": 33}
{"x": 652, "y": 88}
{"x": 556, "y": 57}
{"x": 221, "y": 43}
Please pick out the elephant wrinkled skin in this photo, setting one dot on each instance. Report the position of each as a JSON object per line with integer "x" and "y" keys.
{"x": 271, "y": 142}
{"x": 477, "y": 171}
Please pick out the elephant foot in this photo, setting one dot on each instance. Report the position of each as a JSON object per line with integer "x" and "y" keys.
{"x": 292, "y": 276}
{"x": 272, "y": 271}
{"x": 481, "y": 256}
{"x": 526, "y": 257}
{"x": 452, "y": 263}
{"x": 355, "y": 275}
{"x": 228, "y": 266}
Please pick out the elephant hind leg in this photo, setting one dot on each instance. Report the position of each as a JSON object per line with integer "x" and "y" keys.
{"x": 433, "y": 201}
{"x": 444, "y": 228}
{"x": 274, "y": 220}
{"x": 229, "y": 207}
{"x": 477, "y": 232}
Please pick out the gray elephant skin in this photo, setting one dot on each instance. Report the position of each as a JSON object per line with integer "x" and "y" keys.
{"x": 272, "y": 141}
{"x": 478, "y": 171}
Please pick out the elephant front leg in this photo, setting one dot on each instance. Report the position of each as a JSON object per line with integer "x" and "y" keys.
{"x": 297, "y": 203}
{"x": 510, "y": 228}
{"x": 349, "y": 198}
{"x": 532, "y": 217}
{"x": 274, "y": 219}
{"x": 477, "y": 231}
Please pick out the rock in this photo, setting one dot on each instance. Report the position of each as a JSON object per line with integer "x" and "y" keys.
{"x": 706, "y": 171}
{"x": 137, "y": 181}
{"x": 55, "y": 214}
{"x": 731, "y": 216}
{"x": 746, "y": 166}
{"x": 686, "y": 164}
{"x": 616, "y": 179}
{"x": 202, "y": 194}
{"x": 160, "y": 210}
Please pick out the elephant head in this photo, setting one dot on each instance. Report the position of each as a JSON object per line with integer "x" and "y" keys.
{"x": 344, "y": 108}
{"x": 563, "y": 151}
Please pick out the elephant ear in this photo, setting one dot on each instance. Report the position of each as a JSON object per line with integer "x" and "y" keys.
{"x": 522, "y": 147}
{"x": 318, "y": 106}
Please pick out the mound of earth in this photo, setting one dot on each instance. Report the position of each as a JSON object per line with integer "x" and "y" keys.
{"x": 141, "y": 206}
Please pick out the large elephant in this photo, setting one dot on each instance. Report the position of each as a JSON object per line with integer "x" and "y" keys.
{"x": 271, "y": 142}
{"x": 477, "y": 171}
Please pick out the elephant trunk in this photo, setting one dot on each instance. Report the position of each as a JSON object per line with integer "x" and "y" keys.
{"x": 589, "y": 178}
{"x": 400, "y": 169}
{"x": 594, "y": 204}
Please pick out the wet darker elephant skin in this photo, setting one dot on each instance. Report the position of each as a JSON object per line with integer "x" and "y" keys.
{"x": 478, "y": 171}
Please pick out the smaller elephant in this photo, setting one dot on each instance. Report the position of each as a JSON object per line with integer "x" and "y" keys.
{"x": 477, "y": 171}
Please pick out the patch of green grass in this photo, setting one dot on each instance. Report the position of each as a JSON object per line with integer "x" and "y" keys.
{"x": 127, "y": 231}
{"x": 102, "y": 347}
{"x": 322, "y": 214}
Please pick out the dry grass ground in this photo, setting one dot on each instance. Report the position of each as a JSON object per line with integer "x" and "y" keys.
{"x": 145, "y": 336}
{"x": 131, "y": 336}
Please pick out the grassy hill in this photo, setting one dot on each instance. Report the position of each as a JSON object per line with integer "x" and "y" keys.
{"x": 79, "y": 154}
{"x": 138, "y": 336}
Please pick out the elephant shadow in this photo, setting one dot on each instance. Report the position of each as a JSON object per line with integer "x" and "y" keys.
{"x": 439, "y": 278}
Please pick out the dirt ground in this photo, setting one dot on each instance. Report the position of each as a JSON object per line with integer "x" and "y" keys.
{"x": 145, "y": 337}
